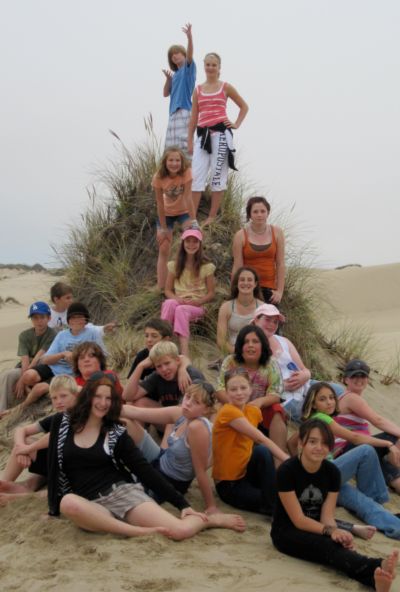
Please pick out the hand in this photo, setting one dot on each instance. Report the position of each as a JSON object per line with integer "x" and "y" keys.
{"x": 184, "y": 379}
{"x": 187, "y": 29}
{"x": 230, "y": 124}
{"x": 296, "y": 380}
{"x": 276, "y": 297}
{"x": 212, "y": 510}
{"x": 24, "y": 460}
{"x": 168, "y": 74}
{"x": 67, "y": 355}
{"x": 146, "y": 363}
{"x": 162, "y": 235}
{"x": 19, "y": 389}
{"x": 394, "y": 456}
{"x": 190, "y": 512}
{"x": 109, "y": 327}
{"x": 343, "y": 537}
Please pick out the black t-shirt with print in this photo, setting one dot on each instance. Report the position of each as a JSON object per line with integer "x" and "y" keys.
{"x": 311, "y": 489}
{"x": 167, "y": 391}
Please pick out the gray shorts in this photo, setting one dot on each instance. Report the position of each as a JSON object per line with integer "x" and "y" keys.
{"x": 148, "y": 447}
{"x": 122, "y": 498}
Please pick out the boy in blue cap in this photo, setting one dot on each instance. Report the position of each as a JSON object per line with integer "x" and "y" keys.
{"x": 32, "y": 345}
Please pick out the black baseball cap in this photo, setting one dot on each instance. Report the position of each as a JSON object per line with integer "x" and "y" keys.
{"x": 356, "y": 367}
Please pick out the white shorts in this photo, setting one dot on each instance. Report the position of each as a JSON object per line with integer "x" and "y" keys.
{"x": 177, "y": 130}
{"x": 213, "y": 166}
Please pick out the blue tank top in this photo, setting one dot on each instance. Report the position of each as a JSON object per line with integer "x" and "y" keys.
{"x": 176, "y": 462}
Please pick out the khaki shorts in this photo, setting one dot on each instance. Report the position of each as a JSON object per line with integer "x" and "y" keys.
{"x": 122, "y": 498}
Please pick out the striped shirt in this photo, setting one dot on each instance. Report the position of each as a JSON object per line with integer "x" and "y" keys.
{"x": 211, "y": 106}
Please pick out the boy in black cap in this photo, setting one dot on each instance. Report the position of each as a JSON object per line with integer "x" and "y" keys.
{"x": 32, "y": 344}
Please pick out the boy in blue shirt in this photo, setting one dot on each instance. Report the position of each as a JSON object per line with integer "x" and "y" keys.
{"x": 179, "y": 85}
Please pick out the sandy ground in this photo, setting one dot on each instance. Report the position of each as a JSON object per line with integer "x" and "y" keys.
{"x": 39, "y": 554}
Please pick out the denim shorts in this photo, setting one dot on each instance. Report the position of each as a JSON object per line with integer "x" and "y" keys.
{"x": 170, "y": 220}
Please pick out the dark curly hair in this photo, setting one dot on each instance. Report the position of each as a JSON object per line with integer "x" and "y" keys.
{"x": 266, "y": 352}
{"x": 84, "y": 348}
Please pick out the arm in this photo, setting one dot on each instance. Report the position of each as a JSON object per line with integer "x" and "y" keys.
{"x": 280, "y": 266}
{"x": 22, "y": 433}
{"x": 36, "y": 358}
{"x": 224, "y": 315}
{"x": 361, "y": 408}
{"x": 163, "y": 415}
{"x": 299, "y": 377}
{"x": 161, "y": 209}
{"x": 34, "y": 446}
{"x": 357, "y": 438}
{"x": 242, "y": 425}
{"x": 132, "y": 390}
{"x": 187, "y": 29}
{"x": 198, "y": 438}
{"x": 210, "y": 295}
{"x": 187, "y": 196}
{"x": 50, "y": 359}
{"x": 237, "y": 251}
{"x": 184, "y": 379}
{"x": 169, "y": 286}
{"x": 193, "y": 121}
{"x": 232, "y": 93}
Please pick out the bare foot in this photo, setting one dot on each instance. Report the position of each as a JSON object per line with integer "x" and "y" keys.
{"x": 390, "y": 563}
{"x": 383, "y": 580}
{"x": 5, "y": 498}
{"x": 232, "y": 521}
{"x": 12, "y": 487}
{"x": 363, "y": 531}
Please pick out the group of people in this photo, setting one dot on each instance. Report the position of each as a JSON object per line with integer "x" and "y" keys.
{"x": 108, "y": 471}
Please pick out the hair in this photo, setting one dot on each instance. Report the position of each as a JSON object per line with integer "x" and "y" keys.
{"x": 164, "y": 328}
{"x": 79, "y": 414}
{"x": 203, "y": 392}
{"x": 266, "y": 352}
{"x": 239, "y": 371}
{"x": 215, "y": 55}
{"x": 175, "y": 49}
{"x": 161, "y": 349}
{"x": 235, "y": 281}
{"x": 180, "y": 261}
{"x": 312, "y": 424}
{"x": 63, "y": 381}
{"x": 308, "y": 405}
{"x": 162, "y": 170}
{"x": 59, "y": 289}
{"x": 254, "y": 200}
{"x": 84, "y": 348}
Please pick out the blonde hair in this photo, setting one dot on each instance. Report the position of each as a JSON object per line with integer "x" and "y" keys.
{"x": 204, "y": 393}
{"x": 161, "y": 349}
{"x": 63, "y": 381}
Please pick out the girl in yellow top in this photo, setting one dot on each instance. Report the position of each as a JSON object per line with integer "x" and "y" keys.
{"x": 244, "y": 474}
{"x": 190, "y": 284}
{"x": 172, "y": 184}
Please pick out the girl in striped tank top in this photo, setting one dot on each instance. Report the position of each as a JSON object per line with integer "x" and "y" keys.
{"x": 212, "y": 148}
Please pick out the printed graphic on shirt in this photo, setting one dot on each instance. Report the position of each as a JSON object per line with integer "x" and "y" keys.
{"x": 174, "y": 192}
{"x": 311, "y": 501}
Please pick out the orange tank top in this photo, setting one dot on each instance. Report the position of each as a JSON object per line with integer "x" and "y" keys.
{"x": 262, "y": 259}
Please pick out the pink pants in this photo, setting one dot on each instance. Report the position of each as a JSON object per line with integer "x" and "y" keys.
{"x": 180, "y": 315}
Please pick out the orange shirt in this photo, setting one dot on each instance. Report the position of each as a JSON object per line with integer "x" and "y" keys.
{"x": 263, "y": 260}
{"x": 173, "y": 189}
{"x": 231, "y": 449}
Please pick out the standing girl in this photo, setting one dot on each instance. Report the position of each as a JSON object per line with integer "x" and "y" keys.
{"x": 261, "y": 246}
{"x": 244, "y": 474}
{"x": 172, "y": 185}
{"x": 213, "y": 147}
{"x": 91, "y": 463}
{"x": 190, "y": 284}
{"x": 304, "y": 519}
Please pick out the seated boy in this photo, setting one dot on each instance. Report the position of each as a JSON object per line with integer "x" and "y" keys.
{"x": 155, "y": 330}
{"x": 161, "y": 388}
{"x": 33, "y": 455}
{"x": 58, "y": 359}
{"x": 32, "y": 345}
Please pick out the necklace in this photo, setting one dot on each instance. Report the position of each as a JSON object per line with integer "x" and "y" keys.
{"x": 258, "y": 231}
{"x": 246, "y": 305}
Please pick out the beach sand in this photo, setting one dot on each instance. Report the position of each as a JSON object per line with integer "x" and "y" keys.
{"x": 40, "y": 554}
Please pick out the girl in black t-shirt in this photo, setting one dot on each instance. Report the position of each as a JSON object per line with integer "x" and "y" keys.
{"x": 92, "y": 468}
{"x": 304, "y": 525}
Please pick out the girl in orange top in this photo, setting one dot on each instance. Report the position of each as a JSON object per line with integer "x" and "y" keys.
{"x": 244, "y": 474}
{"x": 262, "y": 247}
{"x": 172, "y": 184}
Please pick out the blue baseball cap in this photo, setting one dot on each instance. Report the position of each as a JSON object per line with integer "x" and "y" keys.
{"x": 39, "y": 308}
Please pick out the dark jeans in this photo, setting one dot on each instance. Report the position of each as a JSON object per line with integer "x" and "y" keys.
{"x": 256, "y": 491}
{"x": 390, "y": 472}
{"x": 321, "y": 549}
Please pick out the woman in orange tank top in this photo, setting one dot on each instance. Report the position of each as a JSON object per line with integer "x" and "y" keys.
{"x": 261, "y": 246}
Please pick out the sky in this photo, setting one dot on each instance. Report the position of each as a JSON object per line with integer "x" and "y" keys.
{"x": 322, "y": 137}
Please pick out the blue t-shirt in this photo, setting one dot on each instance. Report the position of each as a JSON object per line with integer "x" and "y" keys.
{"x": 65, "y": 341}
{"x": 182, "y": 87}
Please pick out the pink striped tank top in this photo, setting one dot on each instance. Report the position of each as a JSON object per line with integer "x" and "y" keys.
{"x": 350, "y": 422}
{"x": 212, "y": 106}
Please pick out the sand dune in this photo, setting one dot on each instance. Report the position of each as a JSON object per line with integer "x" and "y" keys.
{"x": 40, "y": 554}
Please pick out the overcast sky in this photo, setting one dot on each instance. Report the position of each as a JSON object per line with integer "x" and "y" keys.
{"x": 321, "y": 78}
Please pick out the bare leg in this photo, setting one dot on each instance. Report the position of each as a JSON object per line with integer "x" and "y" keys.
{"x": 12, "y": 469}
{"x": 91, "y": 516}
{"x": 150, "y": 514}
{"x": 31, "y": 377}
{"x": 164, "y": 247}
{"x": 184, "y": 345}
{"x": 395, "y": 485}
{"x": 196, "y": 197}
{"x": 363, "y": 531}
{"x": 216, "y": 199}
{"x": 278, "y": 432}
{"x": 33, "y": 483}
{"x": 37, "y": 391}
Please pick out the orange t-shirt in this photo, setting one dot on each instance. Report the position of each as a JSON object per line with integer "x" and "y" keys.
{"x": 173, "y": 189}
{"x": 232, "y": 449}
